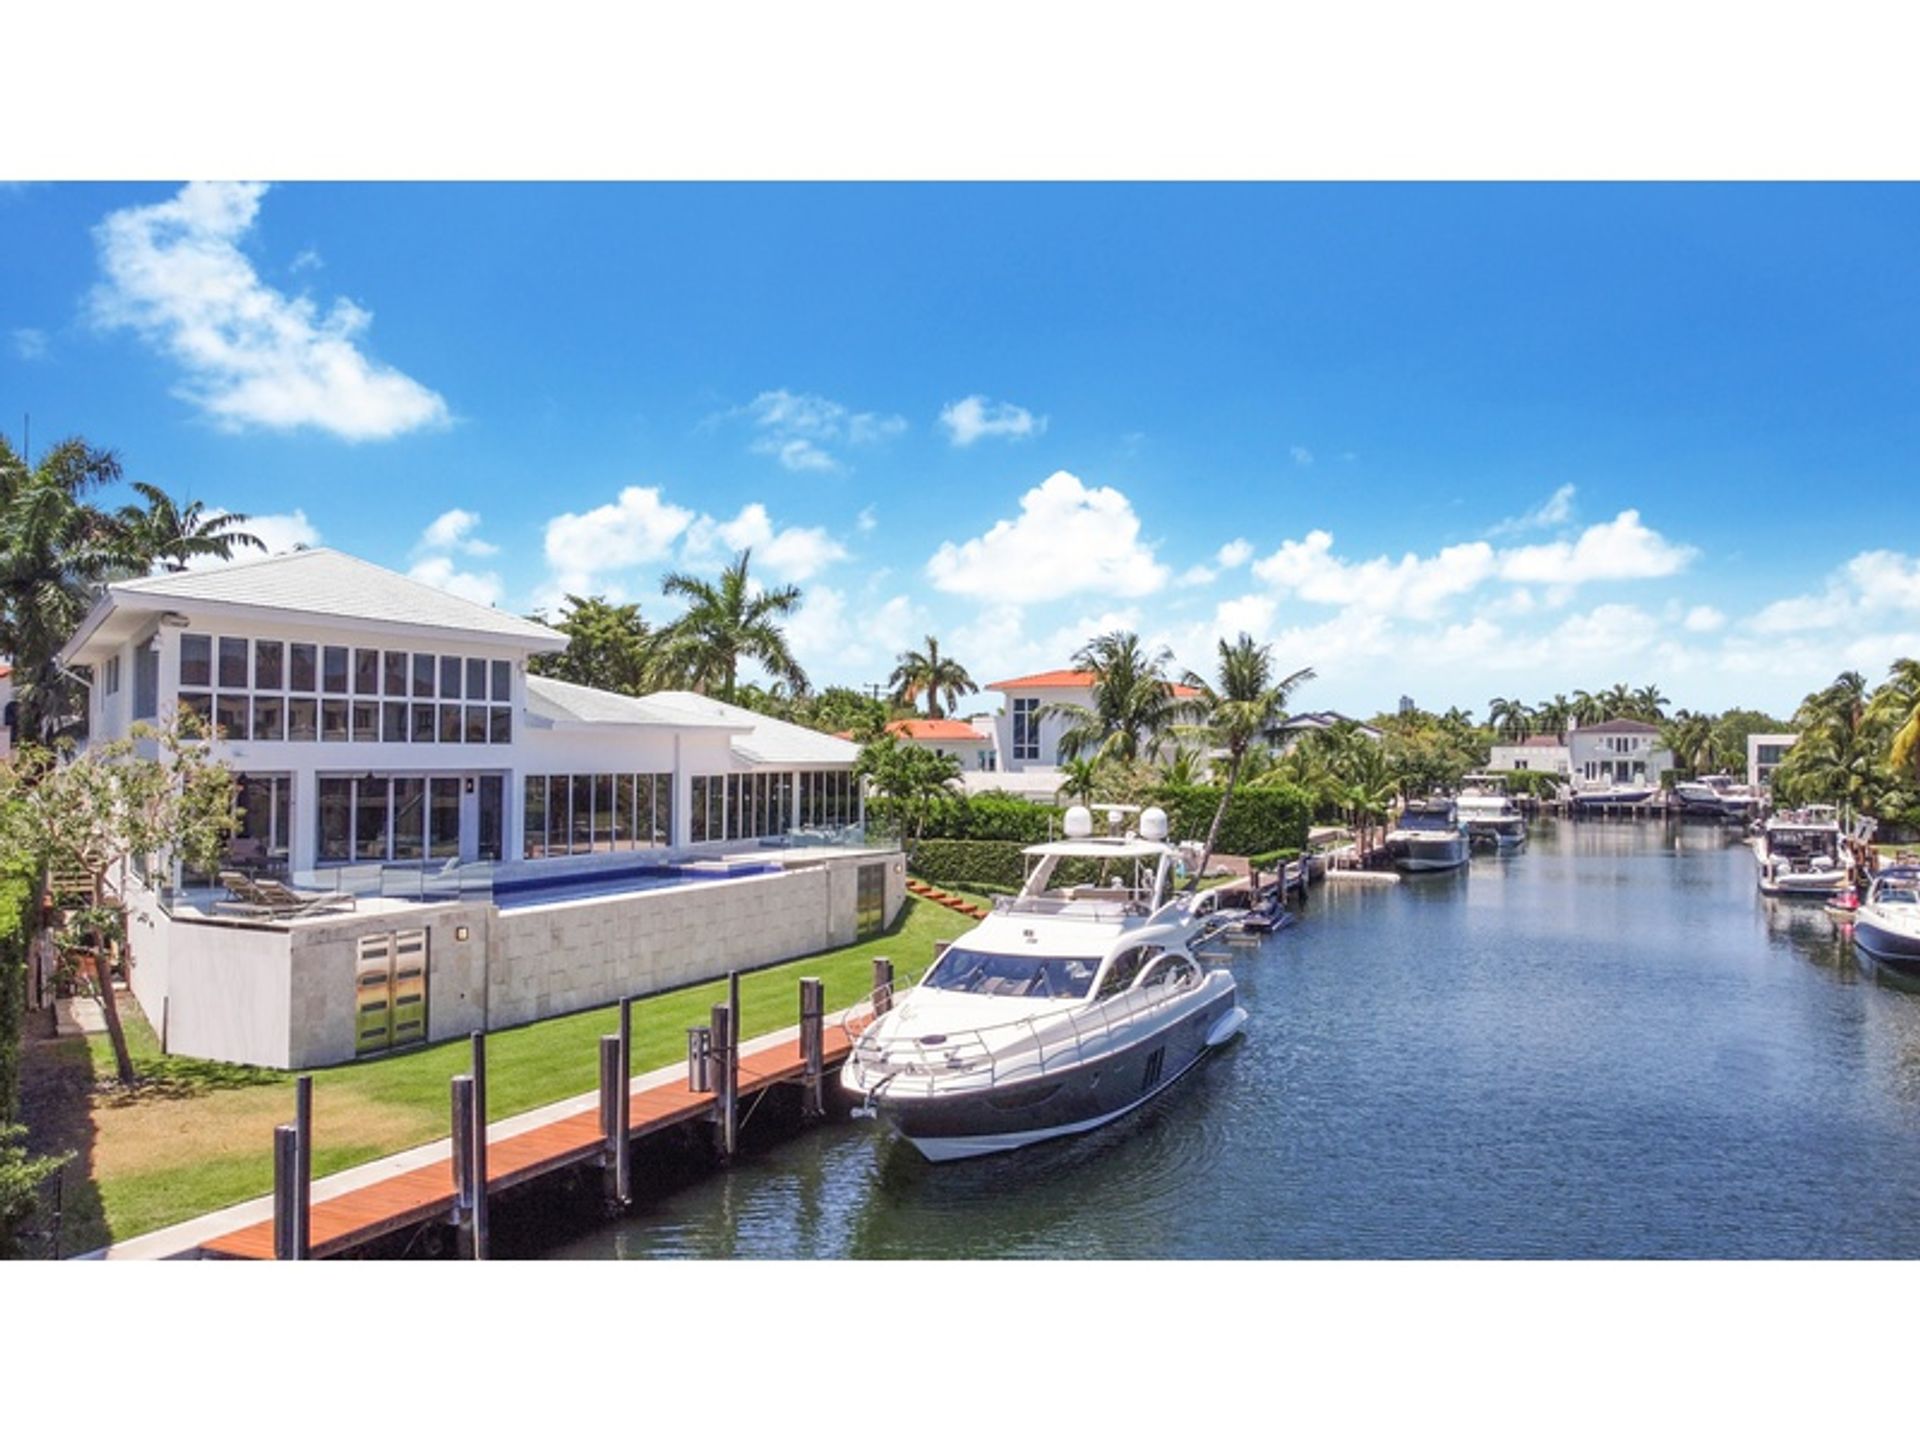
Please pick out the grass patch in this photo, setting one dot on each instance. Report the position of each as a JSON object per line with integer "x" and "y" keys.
{"x": 197, "y": 1135}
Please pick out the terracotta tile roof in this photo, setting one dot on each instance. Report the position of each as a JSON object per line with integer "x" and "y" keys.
{"x": 935, "y": 730}
{"x": 1068, "y": 680}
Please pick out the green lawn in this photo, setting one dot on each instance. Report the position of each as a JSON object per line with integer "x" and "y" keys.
{"x": 196, "y": 1136}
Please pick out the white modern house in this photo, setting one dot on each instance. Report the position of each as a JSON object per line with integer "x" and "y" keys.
{"x": 1617, "y": 750}
{"x": 1287, "y": 733}
{"x": 1548, "y": 754}
{"x": 390, "y": 746}
{"x": 1764, "y": 754}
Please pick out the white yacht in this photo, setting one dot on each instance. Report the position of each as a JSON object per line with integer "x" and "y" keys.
{"x": 1720, "y": 796}
{"x": 1491, "y": 818}
{"x": 1800, "y": 853}
{"x": 1428, "y": 836}
{"x": 1887, "y": 924}
{"x": 1068, "y": 1006}
{"x": 1611, "y": 793}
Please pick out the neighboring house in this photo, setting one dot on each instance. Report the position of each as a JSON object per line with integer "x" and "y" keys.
{"x": 1764, "y": 754}
{"x": 1548, "y": 754}
{"x": 374, "y": 718}
{"x": 1286, "y": 735}
{"x": 1025, "y": 738}
{"x": 971, "y": 747}
{"x": 1617, "y": 750}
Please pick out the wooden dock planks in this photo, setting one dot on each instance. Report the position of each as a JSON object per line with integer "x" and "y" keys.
{"x": 426, "y": 1192}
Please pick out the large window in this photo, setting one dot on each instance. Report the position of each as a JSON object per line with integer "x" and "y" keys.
{"x": 1026, "y": 729}
{"x": 596, "y": 814}
{"x": 828, "y": 799}
{"x": 404, "y": 818}
{"x": 264, "y": 824}
{"x": 268, "y": 689}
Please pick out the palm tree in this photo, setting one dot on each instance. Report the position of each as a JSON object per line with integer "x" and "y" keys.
{"x": 933, "y": 674}
{"x": 1692, "y": 740}
{"x": 1247, "y": 702}
{"x": 1835, "y": 760}
{"x": 726, "y": 622}
{"x": 1133, "y": 704}
{"x": 1185, "y": 767}
{"x": 1511, "y": 718}
{"x": 166, "y": 535}
{"x": 56, "y": 550}
{"x": 1554, "y": 716}
{"x": 1649, "y": 704}
{"x": 1586, "y": 709}
{"x": 1896, "y": 707}
{"x": 1616, "y": 701}
{"x": 1078, "y": 780}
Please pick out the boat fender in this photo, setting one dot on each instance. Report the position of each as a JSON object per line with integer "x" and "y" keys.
{"x": 1227, "y": 1026}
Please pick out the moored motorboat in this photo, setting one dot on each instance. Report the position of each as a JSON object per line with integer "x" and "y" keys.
{"x": 1609, "y": 795}
{"x": 1717, "y": 796}
{"x": 1492, "y": 820}
{"x": 1887, "y": 924}
{"x": 1428, "y": 836}
{"x": 1800, "y": 854}
{"x": 1068, "y": 1006}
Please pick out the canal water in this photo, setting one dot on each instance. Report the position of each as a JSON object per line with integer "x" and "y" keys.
{"x": 1607, "y": 1045}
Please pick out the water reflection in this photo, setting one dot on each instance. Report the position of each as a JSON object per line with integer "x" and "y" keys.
{"x": 1608, "y": 1044}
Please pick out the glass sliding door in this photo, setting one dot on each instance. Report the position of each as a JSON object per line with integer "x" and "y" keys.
{"x": 443, "y": 830}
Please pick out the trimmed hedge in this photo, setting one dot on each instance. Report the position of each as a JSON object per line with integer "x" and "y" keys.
{"x": 989, "y": 865}
{"x": 1261, "y": 817}
{"x": 15, "y": 894}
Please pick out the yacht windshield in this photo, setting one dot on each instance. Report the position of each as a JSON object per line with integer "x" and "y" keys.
{"x": 1034, "y": 977}
{"x": 1898, "y": 895}
{"x": 1426, "y": 820}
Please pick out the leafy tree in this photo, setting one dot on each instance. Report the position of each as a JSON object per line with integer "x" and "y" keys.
{"x": 841, "y": 708}
{"x": 1730, "y": 734}
{"x": 1134, "y": 706}
{"x": 1243, "y": 701}
{"x": 910, "y": 780}
{"x": 20, "y": 1178}
{"x": 609, "y": 647}
{"x": 108, "y": 806}
{"x": 726, "y": 622}
{"x": 1895, "y": 708}
{"x": 928, "y": 672}
{"x": 1691, "y": 738}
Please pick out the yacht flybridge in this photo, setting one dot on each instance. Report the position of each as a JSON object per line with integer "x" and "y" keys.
{"x": 1428, "y": 836}
{"x": 1071, "y": 1004}
{"x": 1800, "y": 853}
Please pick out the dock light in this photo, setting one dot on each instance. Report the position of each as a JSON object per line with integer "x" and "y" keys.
{"x": 460, "y": 932}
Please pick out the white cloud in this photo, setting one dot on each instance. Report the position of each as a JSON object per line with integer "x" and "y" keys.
{"x": 866, "y": 520}
{"x": 831, "y": 631}
{"x": 1620, "y": 549}
{"x": 454, "y": 531}
{"x": 1410, "y": 585}
{"x": 636, "y": 528}
{"x": 1196, "y": 575}
{"x": 1234, "y": 554}
{"x": 29, "y": 344}
{"x": 252, "y": 356}
{"x": 1871, "y": 586}
{"x": 977, "y": 418}
{"x": 308, "y": 259}
{"x": 1556, "y": 509}
{"x": 279, "y": 533}
{"x": 796, "y": 553}
{"x": 1069, "y": 539}
{"x": 1301, "y": 455}
{"x": 1704, "y": 619}
{"x": 797, "y": 429}
{"x": 441, "y": 572}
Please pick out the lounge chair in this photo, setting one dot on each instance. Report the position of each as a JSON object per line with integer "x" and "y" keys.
{"x": 270, "y": 899}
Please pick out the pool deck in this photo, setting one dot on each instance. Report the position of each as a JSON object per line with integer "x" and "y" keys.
{"x": 356, "y": 1206}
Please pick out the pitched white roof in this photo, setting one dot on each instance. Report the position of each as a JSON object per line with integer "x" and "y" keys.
{"x": 324, "y": 585}
{"x": 767, "y": 741}
{"x": 564, "y": 703}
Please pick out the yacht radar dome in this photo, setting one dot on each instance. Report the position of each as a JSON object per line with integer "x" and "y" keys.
{"x": 1078, "y": 823}
{"x": 1153, "y": 823}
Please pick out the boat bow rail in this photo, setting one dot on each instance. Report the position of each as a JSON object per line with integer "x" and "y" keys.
{"x": 1026, "y": 1048}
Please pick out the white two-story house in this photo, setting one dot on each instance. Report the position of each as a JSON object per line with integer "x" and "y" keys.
{"x": 372, "y": 718}
{"x": 1617, "y": 750}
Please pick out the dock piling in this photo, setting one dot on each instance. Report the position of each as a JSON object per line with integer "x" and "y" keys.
{"x": 609, "y": 1072}
{"x": 460, "y": 1092}
{"x": 813, "y": 1010}
{"x": 286, "y": 1166}
{"x": 623, "y": 1106}
{"x": 720, "y": 1070}
{"x": 479, "y": 1165}
{"x": 303, "y": 1167}
{"x": 882, "y": 985}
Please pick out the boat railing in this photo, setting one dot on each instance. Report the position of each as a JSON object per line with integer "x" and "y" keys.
{"x": 995, "y": 1054}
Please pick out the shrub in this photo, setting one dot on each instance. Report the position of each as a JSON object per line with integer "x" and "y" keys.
{"x": 1261, "y": 818}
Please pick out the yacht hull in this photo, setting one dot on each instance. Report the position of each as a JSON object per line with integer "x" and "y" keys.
{"x": 1068, "y": 1101}
{"x": 1887, "y": 943}
{"x": 1439, "y": 854}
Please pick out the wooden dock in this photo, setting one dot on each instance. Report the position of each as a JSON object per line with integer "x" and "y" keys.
{"x": 430, "y": 1192}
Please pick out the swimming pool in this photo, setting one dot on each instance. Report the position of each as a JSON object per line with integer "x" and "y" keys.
{"x": 547, "y": 890}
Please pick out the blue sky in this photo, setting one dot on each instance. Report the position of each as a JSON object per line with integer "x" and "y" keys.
{"x": 1450, "y": 441}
